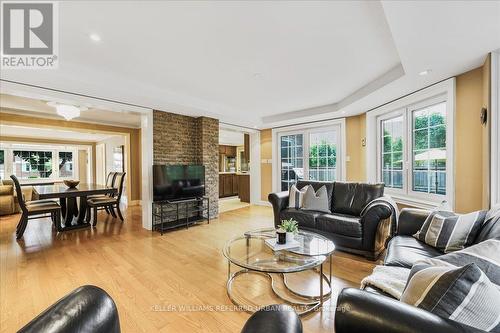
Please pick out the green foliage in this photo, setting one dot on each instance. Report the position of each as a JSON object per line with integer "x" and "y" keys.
{"x": 2, "y": 156}
{"x": 289, "y": 226}
{"x": 323, "y": 154}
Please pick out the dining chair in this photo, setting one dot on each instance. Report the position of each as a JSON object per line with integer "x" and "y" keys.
{"x": 109, "y": 203}
{"x": 34, "y": 210}
{"x": 110, "y": 182}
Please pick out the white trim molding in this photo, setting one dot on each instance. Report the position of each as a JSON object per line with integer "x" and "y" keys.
{"x": 495, "y": 128}
{"x": 439, "y": 92}
{"x": 276, "y": 132}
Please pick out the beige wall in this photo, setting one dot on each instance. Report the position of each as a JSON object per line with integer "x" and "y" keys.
{"x": 356, "y": 152}
{"x": 472, "y": 143}
{"x": 266, "y": 169}
{"x": 469, "y": 142}
{"x": 135, "y": 140}
{"x": 486, "y": 85}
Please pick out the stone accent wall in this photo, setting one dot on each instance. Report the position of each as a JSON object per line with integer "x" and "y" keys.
{"x": 209, "y": 155}
{"x": 179, "y": 139}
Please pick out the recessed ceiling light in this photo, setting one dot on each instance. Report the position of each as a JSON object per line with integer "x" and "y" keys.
{"x": 257, "y": 75}
{"x": 95, "y": 37}
{"x": 427, "y": 71}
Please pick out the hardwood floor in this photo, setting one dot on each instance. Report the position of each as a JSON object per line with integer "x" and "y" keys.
{"x": 145, "y": 273}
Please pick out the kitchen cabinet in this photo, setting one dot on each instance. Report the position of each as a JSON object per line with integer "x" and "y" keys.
{"x": 246, "y": 152}
{"x": 244, "y": 188}
{"x": 229, "y": 151}
{"x": 228, "y": 185}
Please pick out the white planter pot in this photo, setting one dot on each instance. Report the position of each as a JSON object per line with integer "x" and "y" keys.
{"x": 290, "y": 237}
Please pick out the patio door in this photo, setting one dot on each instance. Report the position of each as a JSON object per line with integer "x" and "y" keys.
{"x": 311, "y": 154}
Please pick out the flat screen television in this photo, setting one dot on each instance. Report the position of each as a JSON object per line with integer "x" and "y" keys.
{"x": 176, "y": 182}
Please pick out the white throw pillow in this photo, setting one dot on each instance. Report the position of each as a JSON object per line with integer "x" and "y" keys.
{"x": 317, "y": 201}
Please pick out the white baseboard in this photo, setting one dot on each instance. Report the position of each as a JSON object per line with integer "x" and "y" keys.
{"x": 263, "y": 203}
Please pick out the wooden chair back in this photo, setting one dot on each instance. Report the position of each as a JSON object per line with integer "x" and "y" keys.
{"x": 118, "y": 183}
{"x": 19, "y": 194}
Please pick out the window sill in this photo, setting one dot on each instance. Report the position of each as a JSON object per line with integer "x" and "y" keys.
{"x": 415, "y": 202}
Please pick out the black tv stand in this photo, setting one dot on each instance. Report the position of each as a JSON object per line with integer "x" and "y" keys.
{"x": 172, "y": 214}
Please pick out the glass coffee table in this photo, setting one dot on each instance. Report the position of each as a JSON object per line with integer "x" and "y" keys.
{"x": 251, "y": 253}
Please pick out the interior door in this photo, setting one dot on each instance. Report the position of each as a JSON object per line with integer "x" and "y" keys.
{"x": 100, "y": 163}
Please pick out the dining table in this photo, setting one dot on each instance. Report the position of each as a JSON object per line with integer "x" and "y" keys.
{"x": 73, "y": 201}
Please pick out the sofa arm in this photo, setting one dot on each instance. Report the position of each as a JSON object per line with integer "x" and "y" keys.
{"x": 86, "y": 309}
{"x": 279, "y": 201}
{"x": 379, "y": 221}
{"x": 6, "y": 190}
{"x": 362, "y": 311}
{"x": 411, "y": 220}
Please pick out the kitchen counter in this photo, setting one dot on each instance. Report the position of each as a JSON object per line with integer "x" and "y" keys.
{"x": 235, "y": 173}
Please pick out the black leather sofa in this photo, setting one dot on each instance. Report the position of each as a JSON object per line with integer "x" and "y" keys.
{"x": 371, "y": 310}
{"x": 89, "y": 309}
{"x": 360, "y": 222}
{"x": 86, "y": 309}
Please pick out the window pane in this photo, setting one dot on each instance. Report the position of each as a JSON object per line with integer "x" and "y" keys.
{"x": 429, "y": 149}
{"x": 292, "y": 161}
{"x": 32, "y": 164}
{"x": 2, "y": 164}
{"x": 392, "y": 152}
{"x": 322, "y": 156}
{"x": 65, "y": 164}
{"x": 438, "y": 137}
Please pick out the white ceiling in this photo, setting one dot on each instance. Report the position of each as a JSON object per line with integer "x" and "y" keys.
{"x": 37, "y": 107}
{"x": 25, "y": 132}
{"x": 265, "y": 63}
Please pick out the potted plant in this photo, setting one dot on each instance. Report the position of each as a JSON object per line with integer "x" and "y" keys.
{"x": 291, "y": 227}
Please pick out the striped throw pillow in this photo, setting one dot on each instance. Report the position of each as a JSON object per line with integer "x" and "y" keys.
{"x": 296, "y": 197}
{"x": 486, "y": 256}
{"x": 463, "y": 294}
{"x": 450, "y": 232}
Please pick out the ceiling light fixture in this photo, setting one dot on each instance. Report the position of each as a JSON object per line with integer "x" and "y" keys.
{"x": 95, "y": 37}
{"x": 427, "y": 71}
{"x": 67, "y": 111}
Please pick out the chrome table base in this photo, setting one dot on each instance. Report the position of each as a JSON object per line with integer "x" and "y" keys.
{"x": 309, "y": 303}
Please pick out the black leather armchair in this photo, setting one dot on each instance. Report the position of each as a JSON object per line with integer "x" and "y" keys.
{"x": 86, "y": 309}
{"x": 363, "y": 311}
{"x": 274, "y": 319}
{"x": 361, "y": 218}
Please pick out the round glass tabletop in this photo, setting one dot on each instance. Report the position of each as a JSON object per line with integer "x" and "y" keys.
{"x": 251, "y": 252}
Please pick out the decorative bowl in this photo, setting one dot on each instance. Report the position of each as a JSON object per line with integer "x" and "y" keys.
{"x": 71, "y": 183}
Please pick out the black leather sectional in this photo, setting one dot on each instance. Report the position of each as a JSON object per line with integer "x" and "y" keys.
{"x": 371, "y": 310}
{"x": 360, "y": 220}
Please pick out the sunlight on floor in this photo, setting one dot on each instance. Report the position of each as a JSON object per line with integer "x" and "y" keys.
{"x": 231, "y": 203}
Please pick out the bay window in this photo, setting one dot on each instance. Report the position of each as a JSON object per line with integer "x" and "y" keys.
{"x": 411, "y": 141}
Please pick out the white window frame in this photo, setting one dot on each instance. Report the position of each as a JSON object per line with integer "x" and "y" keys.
{"x": 441, "y": 92}
{"x": 9, "y": 147}
{"x": 494, "y": 115}
{"x": 306, "y": 130}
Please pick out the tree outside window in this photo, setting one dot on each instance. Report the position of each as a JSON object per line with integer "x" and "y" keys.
{"x": 32, "y": 164}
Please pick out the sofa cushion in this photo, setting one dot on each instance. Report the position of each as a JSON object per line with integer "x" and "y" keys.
{"x": 316, "y": 200}
{"x": 340, "y": 224}
{"x": 464, "y": 294}
{"x": 306, "y": 219}
{"x": 450, "y": 232}
{"x": 351, "y": 198}
{"x": 491, "y": 226}
{"x": 404, "y": 251}
{"x": 316, "y": 186}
